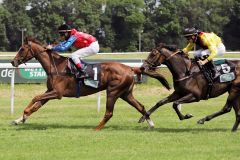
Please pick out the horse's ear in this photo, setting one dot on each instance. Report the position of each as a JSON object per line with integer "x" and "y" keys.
{"x": 161, "y": 45}
{"x": 26, "y": 40}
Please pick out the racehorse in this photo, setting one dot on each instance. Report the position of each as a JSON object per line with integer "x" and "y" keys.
{"x": 117, "y": 79}
{"x": 190, "y": 84}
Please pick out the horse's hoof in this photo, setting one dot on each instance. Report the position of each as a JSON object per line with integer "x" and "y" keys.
{"x": 201, "y": 121}
{"x": 97, "y": 130}
{"x": 142, "y": 119}
{"x": 150, "y": 122}
{"x": 187, "y": 116}
{"x": 14, "y": 123}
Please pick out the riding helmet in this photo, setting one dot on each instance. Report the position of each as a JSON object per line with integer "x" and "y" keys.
{"x": 190, "y": 31}
{"x": 64, "y": 28}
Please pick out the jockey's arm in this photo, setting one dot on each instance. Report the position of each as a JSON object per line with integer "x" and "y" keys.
{"x": 65, "y": 45}
{"x": 210, "y": 43}
{"x": 188, "y": 48}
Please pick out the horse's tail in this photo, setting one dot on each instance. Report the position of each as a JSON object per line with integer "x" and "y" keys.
{"x": 152, "y": 74}
{"x": 138, "y": 72}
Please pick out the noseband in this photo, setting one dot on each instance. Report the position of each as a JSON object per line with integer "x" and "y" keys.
{"x": 29, "y": 49}
{"x": 154, "y": 64}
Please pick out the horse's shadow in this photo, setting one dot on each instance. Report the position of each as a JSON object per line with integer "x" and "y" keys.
{"x": 37, "y": 126}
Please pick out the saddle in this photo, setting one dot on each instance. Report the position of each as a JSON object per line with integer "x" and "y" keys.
{"x": 93, "y": 72}
{"x": 226, "y": 73}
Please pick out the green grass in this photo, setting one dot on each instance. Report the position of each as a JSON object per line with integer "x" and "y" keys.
{"x": 63, "y": 129}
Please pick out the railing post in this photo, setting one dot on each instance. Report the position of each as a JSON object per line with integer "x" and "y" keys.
{"x": 98, "y": 101}
{"x": 12, "y": 90}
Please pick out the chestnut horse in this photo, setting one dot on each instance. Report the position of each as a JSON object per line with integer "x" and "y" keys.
{"x": 117, "y": 79}
{"x": 190, "y": 84}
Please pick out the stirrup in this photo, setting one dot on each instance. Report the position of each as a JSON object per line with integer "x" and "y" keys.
{"x": 81, "y": 74}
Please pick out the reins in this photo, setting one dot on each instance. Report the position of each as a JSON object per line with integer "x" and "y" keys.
{"x": 172, "y": 55}
{"x": 54, "y": 64}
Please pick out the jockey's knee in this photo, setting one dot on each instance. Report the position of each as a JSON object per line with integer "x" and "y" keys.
{"x": 75, "y": 58}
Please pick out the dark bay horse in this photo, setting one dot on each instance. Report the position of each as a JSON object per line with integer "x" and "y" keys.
{"x": 190, "y": 85}
{"x": 117, "y": 79}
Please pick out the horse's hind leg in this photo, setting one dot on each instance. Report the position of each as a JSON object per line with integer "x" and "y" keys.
{"x": 129, "y": 98}
{"x": 227, "y": 108}
{"x": 233, "y": 95}
{"x": 111, "y": 100}
{"x": 236, "y": 108}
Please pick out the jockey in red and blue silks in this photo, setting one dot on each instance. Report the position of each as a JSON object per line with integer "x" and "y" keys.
{"x": 86, "y": 44}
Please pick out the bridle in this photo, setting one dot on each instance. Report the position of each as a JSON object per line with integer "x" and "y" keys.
{"x": 155, "y": 63}
{"x": 22, "y": 58}
{"x": 33, "y": 54}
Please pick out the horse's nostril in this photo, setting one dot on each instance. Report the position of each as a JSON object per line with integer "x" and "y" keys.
{"x": 142, "y": 68}
{"x": 14, "y": 63}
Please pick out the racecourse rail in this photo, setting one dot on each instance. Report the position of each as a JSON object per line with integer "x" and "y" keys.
{"x": 38, "y": 65}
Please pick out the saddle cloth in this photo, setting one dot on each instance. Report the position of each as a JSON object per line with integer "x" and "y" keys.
{"x": 226, "y": 70}
{"x": 93, "y": 72}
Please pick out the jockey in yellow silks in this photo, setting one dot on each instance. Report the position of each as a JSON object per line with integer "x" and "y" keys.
{"x": 209, "y": 45}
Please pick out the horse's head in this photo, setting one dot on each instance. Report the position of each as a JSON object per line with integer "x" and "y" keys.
{"x": 158, "y": 56}
{"x": 26, "y": 52}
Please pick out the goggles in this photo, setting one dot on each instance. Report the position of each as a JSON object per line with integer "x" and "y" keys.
{"x": 61, "y": 34}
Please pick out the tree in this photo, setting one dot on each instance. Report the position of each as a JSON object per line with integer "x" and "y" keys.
{"x": 16, "y": 21}
{"x": 231, "y": 30}
{"x": 3, "y": 35}
{"x": 125, "y": 18}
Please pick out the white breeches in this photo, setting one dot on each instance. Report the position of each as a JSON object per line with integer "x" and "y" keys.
{"x": 203, "y": 52}
{"x": 92, "y": 49}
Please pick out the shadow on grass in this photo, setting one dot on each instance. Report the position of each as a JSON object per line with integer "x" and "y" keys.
{"x": 37, "y": 126}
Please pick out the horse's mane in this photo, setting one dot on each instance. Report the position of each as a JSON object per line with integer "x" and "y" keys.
{"x": 32, "y": 39}
{"x": 170, "y": 47}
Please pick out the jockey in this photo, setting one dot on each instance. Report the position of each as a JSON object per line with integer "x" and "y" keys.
{"x": 210, "y": 45}
{"x": 86, "y": 45}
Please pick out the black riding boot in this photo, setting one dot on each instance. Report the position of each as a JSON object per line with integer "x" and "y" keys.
{"x": 81, "y": 73}
{"x": 211, "y": 66}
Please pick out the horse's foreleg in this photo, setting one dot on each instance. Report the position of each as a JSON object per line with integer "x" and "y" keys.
{"x": 186, "y": 99}
{"x": 108, "y": 113}
{"x": 136, "y": 104}
{"x": 32, "y": 107}
{"x": 174, "y": 96}
{"x": 35, "y": 104}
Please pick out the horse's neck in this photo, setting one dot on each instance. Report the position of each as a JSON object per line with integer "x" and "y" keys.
{"x": 178, "y": 66}
{"x": 51, "y": 62}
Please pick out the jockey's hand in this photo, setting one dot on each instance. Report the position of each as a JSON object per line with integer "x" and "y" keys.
{"x": 180, "y": 52}
{"x": 203, "y": 62}
{"x": 49, "y": 47}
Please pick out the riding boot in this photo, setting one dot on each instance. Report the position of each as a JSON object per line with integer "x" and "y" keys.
{"x": 213, "y": 69}
{"x": 81, "y": 73}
